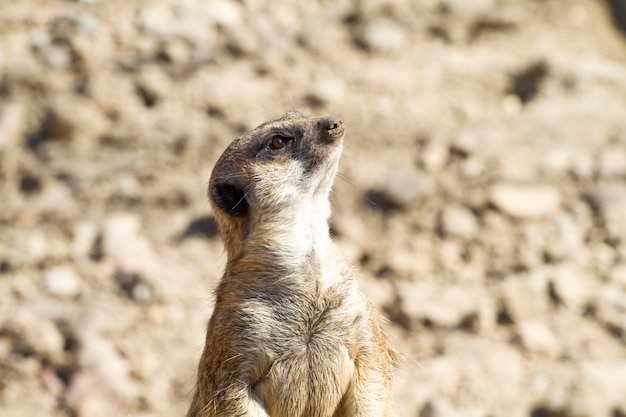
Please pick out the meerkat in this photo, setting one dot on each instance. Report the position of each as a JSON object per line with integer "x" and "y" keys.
{"x": 292, "y": 333}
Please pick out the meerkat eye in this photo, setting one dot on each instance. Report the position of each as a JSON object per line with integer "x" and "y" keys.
{"x": 279, "y": 142}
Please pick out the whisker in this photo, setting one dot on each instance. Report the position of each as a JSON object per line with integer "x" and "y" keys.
{"x": 239, "y": 202}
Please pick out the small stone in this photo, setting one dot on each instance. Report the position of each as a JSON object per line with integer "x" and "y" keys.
{"x": 611, "y": 309}
{"x": 536, "y": 337}
{"x": 572, "y": 285}
{"x": 409, "y": 263}
{"x": 610, "y": 202}
{"x": 524, "y": 298}
{"x": 404, "y": 189}
{"x": 88, "y": 398}
{"x": 34, "y": 246}
{"x": 525, "y": 201}
{"x": 434, "y": 157}
{"x": 384, "y": 36}
{"x": 123, "y": 241}
{"x": 135, "y": 287}
{"x": 85, "y": 234}
{"x": 582, "y": 166}
{"x": 599, "y": 389}
{"x": 62, "y": 281}
{"x": 612, "y": 162}
{"x": 37, "y": 334}
{"x": 464, "y": 144}
{"x": 446, "y": 306}
{"x": 466, "y": 7}
{"x": 153, "y": 85}
{"x": 119, "y": 231}
{"x": 459, "y": 221}
{"x": 226, "y": 13}
{"x": 618, "y": 275}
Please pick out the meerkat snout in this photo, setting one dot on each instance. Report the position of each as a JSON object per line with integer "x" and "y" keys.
{"x": 334, "y": 127}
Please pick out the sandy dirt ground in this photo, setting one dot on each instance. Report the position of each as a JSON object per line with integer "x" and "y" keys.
{"x": 482, "y": 192}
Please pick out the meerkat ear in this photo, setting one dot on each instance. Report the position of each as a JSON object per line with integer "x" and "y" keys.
{"x": 230, "y": 198}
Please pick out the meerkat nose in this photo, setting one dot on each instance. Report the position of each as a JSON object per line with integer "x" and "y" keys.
{"x": 333, "y": 126}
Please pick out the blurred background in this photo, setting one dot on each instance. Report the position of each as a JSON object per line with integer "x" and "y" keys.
{"x": 482, "y": 191}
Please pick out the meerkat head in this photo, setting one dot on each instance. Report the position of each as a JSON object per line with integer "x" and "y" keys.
{"x": 276, "y": 175}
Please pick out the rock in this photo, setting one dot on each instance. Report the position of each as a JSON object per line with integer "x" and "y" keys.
{"x": 610, "y": 309}
{"x": 525, "y": 201}
{"x": 598, "y": 390}
{"x": 12, "y": 124}
{"x": 524, "y": 298}
{"x": 457, "y": 220}
{"x": 536, "y": 337}
{"x": 103, "y": 385}
{"x": 62, "y": 281}
{"x": 572, "y": 285}
{"x": 57, "y": 198}
{"x": 37, "y": 335}
{"x": 121, "y": 240}
{"x": 618, "y": 275}
{"x": 477, "y": 370}
{"x": 407, "y": 263}
{"x": 447, "y": 306}
{"x": 582, "y": 166}
{"x": 135, "y": 287}
{"x": 434, "y": 157}
{"x": 384, "y": 35}
{"x": 153, "y": 85}
{"x": 440, "y": 407}
{"x": 88, "y": 398}
{"x": 609, "y": 201}
{"x": 85, "y": 235}
{"x": 612, "y": 162}
{"x": 466, "y": 7}
{"x": 403, "y": 189}
{"x": 226, "y": 13}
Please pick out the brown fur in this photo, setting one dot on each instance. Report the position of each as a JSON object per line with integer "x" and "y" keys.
{"x": 292, "y": 333}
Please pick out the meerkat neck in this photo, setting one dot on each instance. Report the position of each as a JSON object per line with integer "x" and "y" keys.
{"x": 294, "y": 239}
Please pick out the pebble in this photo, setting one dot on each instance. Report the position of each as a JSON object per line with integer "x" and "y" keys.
{"x": 457, "y": 220}
{"x": 88, "y": 398}
{"x": 154, "y": 84}
{"x": 536, "y": 337}
{"x": 611, "y": 309}
{"x": 62, "y": 281}
{"x": 85, "y": 235}
{"x": 123, "y": 241}
{"x": 612, "y": 162}
{"x": 573, "y": 286}
{"x": 525, "y": 201}
{"x": 384, "y": 36}
{"x": 12, "y": 122}
{"x": 594, "y": 392}
{"x": 609, "y": 200}
{"x": 407, "y": 263}
{"x": 404, "y": 189}
{"x": 467, "y": 7}
{"x": 618, "y": 275}
{"x": 445, "y": 305}
{"x": 525, "y": 298}
{"x": 226, "y": 13}
{"x": 434, "y": 157}
{"x": 38, "y": 334}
